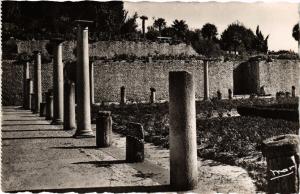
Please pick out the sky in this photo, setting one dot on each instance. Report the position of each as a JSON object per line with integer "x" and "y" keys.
{"x": 276, "y": 19}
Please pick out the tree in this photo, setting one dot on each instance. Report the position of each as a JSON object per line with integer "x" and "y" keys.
{"x": 180, "y": 28}
{"x": 159, "y": 23}
{"x": 130, "y": 25}
{"x": 236, "y": 37}
{"x": 152, "y": 33}
{"x": 42, "y": 19}
{"x": 209, "y": 31}
{"x": 168, "y": 32}
{"x": 295, "y": 33}
{"x": 260, "y": 42}
{"x": 204, "y": 46}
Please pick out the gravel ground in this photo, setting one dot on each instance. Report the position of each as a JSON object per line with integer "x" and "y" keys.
{"x": 38, "y": 156}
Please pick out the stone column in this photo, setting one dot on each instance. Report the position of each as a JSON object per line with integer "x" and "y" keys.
{"x": 92, "y": 83}
{"x": 293, "y": 91}
{"x": 123, "y": 96}
{"x": 152, "y": 95}
{"x": 69, "y": 106}
{"x": 103, "y": 129}
{"x": 183, "y": 144}
{"x": 42, "y": 109}
{"x": 29, "y": 91}
{"x": 32, "y": 98}
{"x": 230, "y": 94}
{"x": 37, "y": 82}
{"x": 206, "y": 80}
{"x": 49, "y": 105}
{"x": 135, "y": 143}
{"x": 282, "y": 153}
{"x": 299, "y": 31}
{"x": 25, "y": 77}
{"x": 84, "y": 128}
{"x": 58, "y": 83}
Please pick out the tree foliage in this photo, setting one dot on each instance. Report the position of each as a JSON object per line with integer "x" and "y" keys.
{"x": 208, "y": 47}
{"x": 209, "y": 31}
{"x": 237, "y": 38}
{"x": 260, "y": 42}
{"x": 27, "y": 20}
{"x": 159, "y": 24}
{"x": 180, "y": 29}
{"x": 295, "y": 32}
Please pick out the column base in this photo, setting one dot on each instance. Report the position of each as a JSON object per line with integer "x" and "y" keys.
{"x": 57, "y": 122}
{"x": 83, "y": 134}
{"x": 48, "y": 118}
{"x": 69, "y": 129}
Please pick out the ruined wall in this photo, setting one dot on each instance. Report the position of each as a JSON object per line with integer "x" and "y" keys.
{"x": 109, "y": 49}
{"x": 139, "y": 77}
{"x": 12, "y": 81}
{"x": 279, "y": 75}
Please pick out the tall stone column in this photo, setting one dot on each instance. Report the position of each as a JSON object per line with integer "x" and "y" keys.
{"x": 206, "y": 80}
{"x": 183, "y": 143}
{"x": 92, "y": 83}
{"x": 37, "y": 82}
{"x": 29, "y": 91}
{"x": 123, "y": 96}
{"x": 69, "y": 106}
{"x": 84, "y": 128}
{"x": 58, "y": 83}
{"x": 152, "y": 95}
{"x": 25, "y": 77}
{"x": 49, "y": 105}
{"x": 299, "y": 30}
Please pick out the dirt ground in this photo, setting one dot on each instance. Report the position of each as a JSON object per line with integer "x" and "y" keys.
{"x": 37, "y": 156}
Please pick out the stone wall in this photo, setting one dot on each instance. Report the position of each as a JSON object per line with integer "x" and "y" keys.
{"x": 109, "y": 49}
{"x": 280, "y": 75}
{"x": 139, "y": 77}
{"x": 12, "y": 81}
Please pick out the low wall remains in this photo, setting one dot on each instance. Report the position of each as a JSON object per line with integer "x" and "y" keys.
{"x": 138, "y": 77}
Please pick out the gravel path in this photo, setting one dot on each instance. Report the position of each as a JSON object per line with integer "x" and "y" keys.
{"x": 37, "y": 156}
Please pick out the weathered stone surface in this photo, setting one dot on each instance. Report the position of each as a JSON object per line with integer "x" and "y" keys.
{"x": 58, "y": 85}
{"x": 282, "y": 153}
{"x": 83, "y": 111}
{"x": 37, "y": 82}
{"x": 110, "y": 49}
{"x": 135, "y": 143}
{"x": 69, "y": 106}
{"x": 182, "y": 133}
{"x": 103, "y": 129}
{"x": 138, "y": 77}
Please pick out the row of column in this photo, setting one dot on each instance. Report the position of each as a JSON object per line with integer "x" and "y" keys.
{"x": 64, "y": 104}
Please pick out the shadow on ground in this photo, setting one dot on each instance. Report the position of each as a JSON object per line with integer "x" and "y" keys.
{"x": 120, "y": 189}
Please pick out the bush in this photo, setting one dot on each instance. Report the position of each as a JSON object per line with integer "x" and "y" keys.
{"x": 269, "y": 112}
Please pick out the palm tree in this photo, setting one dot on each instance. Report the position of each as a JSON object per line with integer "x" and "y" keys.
{"x": 159, "y": 23}
{"x": 180, "y": 28}
{"x": 209, "y": 31}
{"x": 260, "y": 42}
{"x": 143, "y": 18}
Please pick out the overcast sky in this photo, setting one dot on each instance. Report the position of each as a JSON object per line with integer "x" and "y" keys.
{"x": 274, "y": 19}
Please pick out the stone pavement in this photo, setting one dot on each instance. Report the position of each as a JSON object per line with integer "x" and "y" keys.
{"x": 37, "y": 156}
